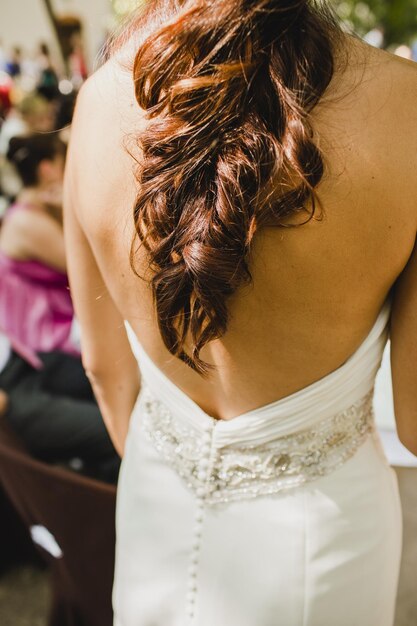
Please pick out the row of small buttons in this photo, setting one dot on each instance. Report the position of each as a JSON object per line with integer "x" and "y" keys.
{"x": 202, "y": 475}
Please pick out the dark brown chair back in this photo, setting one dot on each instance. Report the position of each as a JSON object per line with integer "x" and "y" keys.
{"x": 79, "y": 513}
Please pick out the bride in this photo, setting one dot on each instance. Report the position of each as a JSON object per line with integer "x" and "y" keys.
{"x": 241, "y": 212}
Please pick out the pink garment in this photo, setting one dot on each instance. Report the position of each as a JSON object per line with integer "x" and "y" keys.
{"x": 36, "y": 311}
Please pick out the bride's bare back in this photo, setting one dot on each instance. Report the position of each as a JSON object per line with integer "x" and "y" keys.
{"x": 316, "y": 289}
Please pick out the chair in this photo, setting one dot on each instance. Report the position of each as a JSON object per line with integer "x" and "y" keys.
{"x": 78, "y": 513}
{"x": 16, "y": 546}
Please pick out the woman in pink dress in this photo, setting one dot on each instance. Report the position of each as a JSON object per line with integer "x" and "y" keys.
{"x": 49, "y": 399}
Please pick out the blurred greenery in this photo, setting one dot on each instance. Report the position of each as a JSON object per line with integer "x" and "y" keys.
{"x": 398, "y": 18}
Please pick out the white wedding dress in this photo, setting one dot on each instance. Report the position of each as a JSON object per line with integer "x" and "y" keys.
{"x": 288, "y": 515}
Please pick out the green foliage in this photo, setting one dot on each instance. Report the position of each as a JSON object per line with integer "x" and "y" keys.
{"x": 398, "y": 18}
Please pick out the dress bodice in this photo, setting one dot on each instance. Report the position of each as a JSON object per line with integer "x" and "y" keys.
{"x": 333, "y": 393}
{"x": 277, "y": 446}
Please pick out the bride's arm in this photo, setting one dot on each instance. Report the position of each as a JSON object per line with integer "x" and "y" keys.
{"x": 106, "y": 353}
{"x": 107, "y": 357}
{"x": 404, "y": 353}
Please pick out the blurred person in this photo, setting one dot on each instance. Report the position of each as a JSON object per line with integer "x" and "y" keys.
{"x": 53, "y": 411}
{"x": 30, "y": 72}
{"x": 32, "y": 114}
{"x": 6, "y": 86}
{"x": 37, "y": 113}
{"x": 241, "y": 189}
{"x": 49, "y": 399}
{"x": 44, "y": 57}
{"x": 13, "y": 62}
{"x": 13, "y": 125}
{"x": 77, "y": 62}
{"x": 48, "y": 77}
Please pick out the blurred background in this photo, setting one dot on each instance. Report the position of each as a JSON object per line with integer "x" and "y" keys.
{"x": 48, "y": 48}
{"x": 384, "y": 23}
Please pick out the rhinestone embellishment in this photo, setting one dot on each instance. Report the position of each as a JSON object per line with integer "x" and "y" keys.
{"x": 227, "y": 473}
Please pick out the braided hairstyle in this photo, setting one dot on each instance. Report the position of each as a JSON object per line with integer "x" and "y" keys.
{"x": 227, "y": 86}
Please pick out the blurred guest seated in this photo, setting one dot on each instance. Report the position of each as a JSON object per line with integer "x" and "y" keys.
{"x": 54, "y": 413}
{"x": 32, "y": 114}
{"x": 49, "y": 399}
{"x": 32, "y": 259}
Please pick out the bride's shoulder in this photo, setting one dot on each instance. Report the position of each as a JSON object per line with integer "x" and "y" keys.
{"x": 384, "y": 101}
{"x": 108, "y": 97}
{"x": 103, "y": 142}
{"x": 374, "y": 72}
{"x": 393, "y": 75}
{"x": 403, "y": 67}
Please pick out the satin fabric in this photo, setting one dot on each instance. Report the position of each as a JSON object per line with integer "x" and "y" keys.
{"x": 324, "y": 553}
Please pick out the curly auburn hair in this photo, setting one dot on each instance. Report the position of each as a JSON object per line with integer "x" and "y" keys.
{"x": 227, "y": 87}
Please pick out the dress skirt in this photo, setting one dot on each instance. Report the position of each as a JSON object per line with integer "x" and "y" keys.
{"x": 325, "y": 553}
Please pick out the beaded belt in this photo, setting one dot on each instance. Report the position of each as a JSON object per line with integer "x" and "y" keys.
{"x": 232, "y": 472}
